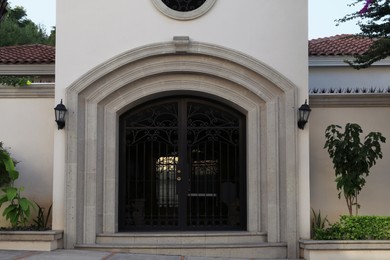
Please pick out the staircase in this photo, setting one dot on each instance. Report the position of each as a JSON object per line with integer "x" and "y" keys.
{"x": 218, "y": 244}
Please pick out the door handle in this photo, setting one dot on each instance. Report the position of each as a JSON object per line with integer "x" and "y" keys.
{"x": 178, "y": 171}
{"x": 178, "y": 178}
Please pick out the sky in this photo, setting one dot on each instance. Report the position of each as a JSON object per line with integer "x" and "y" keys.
{"x": 42, "y": 12}
{"x": 322, "y": 14}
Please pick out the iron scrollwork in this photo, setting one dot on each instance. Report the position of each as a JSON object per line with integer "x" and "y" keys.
{"x": 210, "y": 124}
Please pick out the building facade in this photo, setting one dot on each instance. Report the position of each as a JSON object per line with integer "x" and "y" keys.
{"x": 182, "y": 122}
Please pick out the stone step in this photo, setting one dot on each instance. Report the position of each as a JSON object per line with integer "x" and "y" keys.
{"x": 176, "y": 238}
{"x": 246, "y": 250}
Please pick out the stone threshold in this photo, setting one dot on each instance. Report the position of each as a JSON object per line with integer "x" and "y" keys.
{"x": 232, "y": 250}
{"x": 176, "y": 238}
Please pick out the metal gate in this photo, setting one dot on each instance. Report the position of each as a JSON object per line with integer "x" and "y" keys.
{"x": 182, "y": 166}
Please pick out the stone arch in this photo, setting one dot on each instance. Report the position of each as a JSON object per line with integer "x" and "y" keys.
{"x": 97, "y": 99}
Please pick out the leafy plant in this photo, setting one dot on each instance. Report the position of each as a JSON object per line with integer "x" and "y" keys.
{"x": 356, "y": 228}
{"x": 352, "y": 159}
{"x": 7, "y": 167}
{"x": 41, "y": 220}
{"x": 15, "y": 81}
{"x": 318, "y": 222}
{"x": 18, "y": 211}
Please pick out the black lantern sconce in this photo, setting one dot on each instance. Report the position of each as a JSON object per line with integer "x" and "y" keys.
{"x": 303, "y": 115}
{"x": 60, "y": 111}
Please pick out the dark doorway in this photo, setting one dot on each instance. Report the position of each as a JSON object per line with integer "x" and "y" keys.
{"x": 182, "y": 166}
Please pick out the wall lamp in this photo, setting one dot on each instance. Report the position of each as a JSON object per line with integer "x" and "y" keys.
{"x": 303, "y": 115}
{"x": 60, "y": 111}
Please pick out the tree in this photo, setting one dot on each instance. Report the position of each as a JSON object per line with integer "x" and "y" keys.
{"x": 3, "y": 8}
{"x": 374, "y": 22}
{"x": 352, "y": 159}
{"x": 17, "y": 29}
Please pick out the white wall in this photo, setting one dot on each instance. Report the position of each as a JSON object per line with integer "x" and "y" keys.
{"x": 27, "y": 127}
{"x": 91, "y": 32}
{"x": 339, "y": 75}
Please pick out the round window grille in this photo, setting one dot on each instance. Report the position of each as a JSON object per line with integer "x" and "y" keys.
{"x": 183, "y": 9}
{"x": 183, "y": 5}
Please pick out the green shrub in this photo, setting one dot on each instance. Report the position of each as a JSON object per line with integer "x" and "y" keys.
{"x": 8, "y": 172}
{"x": 18, "y": 210}
{"x": 356, "y": 228}
{"x": 42, "y": 220}
{"x": 15, "y": 81}
{"x": 318, "y": 221}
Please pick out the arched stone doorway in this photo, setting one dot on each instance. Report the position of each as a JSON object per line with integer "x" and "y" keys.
{"x": 264, "y": 97}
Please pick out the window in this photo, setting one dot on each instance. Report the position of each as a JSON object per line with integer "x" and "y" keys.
{"x": 183, "y": 9}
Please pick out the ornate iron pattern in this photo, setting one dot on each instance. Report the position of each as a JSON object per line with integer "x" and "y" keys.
{"x": 184, "y": 5}
{"x": 157, "y": 123}
{"x": 210, "y": 124}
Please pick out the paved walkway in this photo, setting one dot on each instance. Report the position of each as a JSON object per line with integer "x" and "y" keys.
{"x": 62, "y": 254}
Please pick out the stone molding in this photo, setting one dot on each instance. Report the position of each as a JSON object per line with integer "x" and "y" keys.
{"x": 32, "y": 91}
{"x": 183, "y": 16}
{"x": 350, "y": 100}
{"x": 96, "y": 100}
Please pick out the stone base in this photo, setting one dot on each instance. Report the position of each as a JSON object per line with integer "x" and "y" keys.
{"x": 345, "y": 249}
{"x": 31, "y": 240}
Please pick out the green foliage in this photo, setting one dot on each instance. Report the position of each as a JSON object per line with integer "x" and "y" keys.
{"x": 374, "y": 22}
{"x": 356, "y": 228}
{"x": 318, "y": 222}
{"x": 18, "y": 211}
{"x": 352, "y": 159}
{"x": 41, "y": 220}
{"x": 15, "y": 81}
{"x": 17, "y": 29}
{"x": 8, "y": 172}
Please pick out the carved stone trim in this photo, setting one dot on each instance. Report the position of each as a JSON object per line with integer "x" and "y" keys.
{"x": 182, "y": 43}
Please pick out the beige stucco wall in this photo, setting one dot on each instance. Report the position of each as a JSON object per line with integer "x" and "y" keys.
{"x": 375, "y": 195}
{"x": 27, "y": 127}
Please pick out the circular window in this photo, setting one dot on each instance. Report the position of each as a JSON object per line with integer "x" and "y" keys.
{"x": 183, "y": 9}
{"x": 183, "y": 5}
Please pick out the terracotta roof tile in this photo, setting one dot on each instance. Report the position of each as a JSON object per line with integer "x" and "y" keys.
{"x": 27, "y": 54}
{"x": 344, "y": 44}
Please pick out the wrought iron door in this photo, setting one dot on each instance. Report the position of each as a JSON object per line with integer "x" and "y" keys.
{"x": 182, "y": 167}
